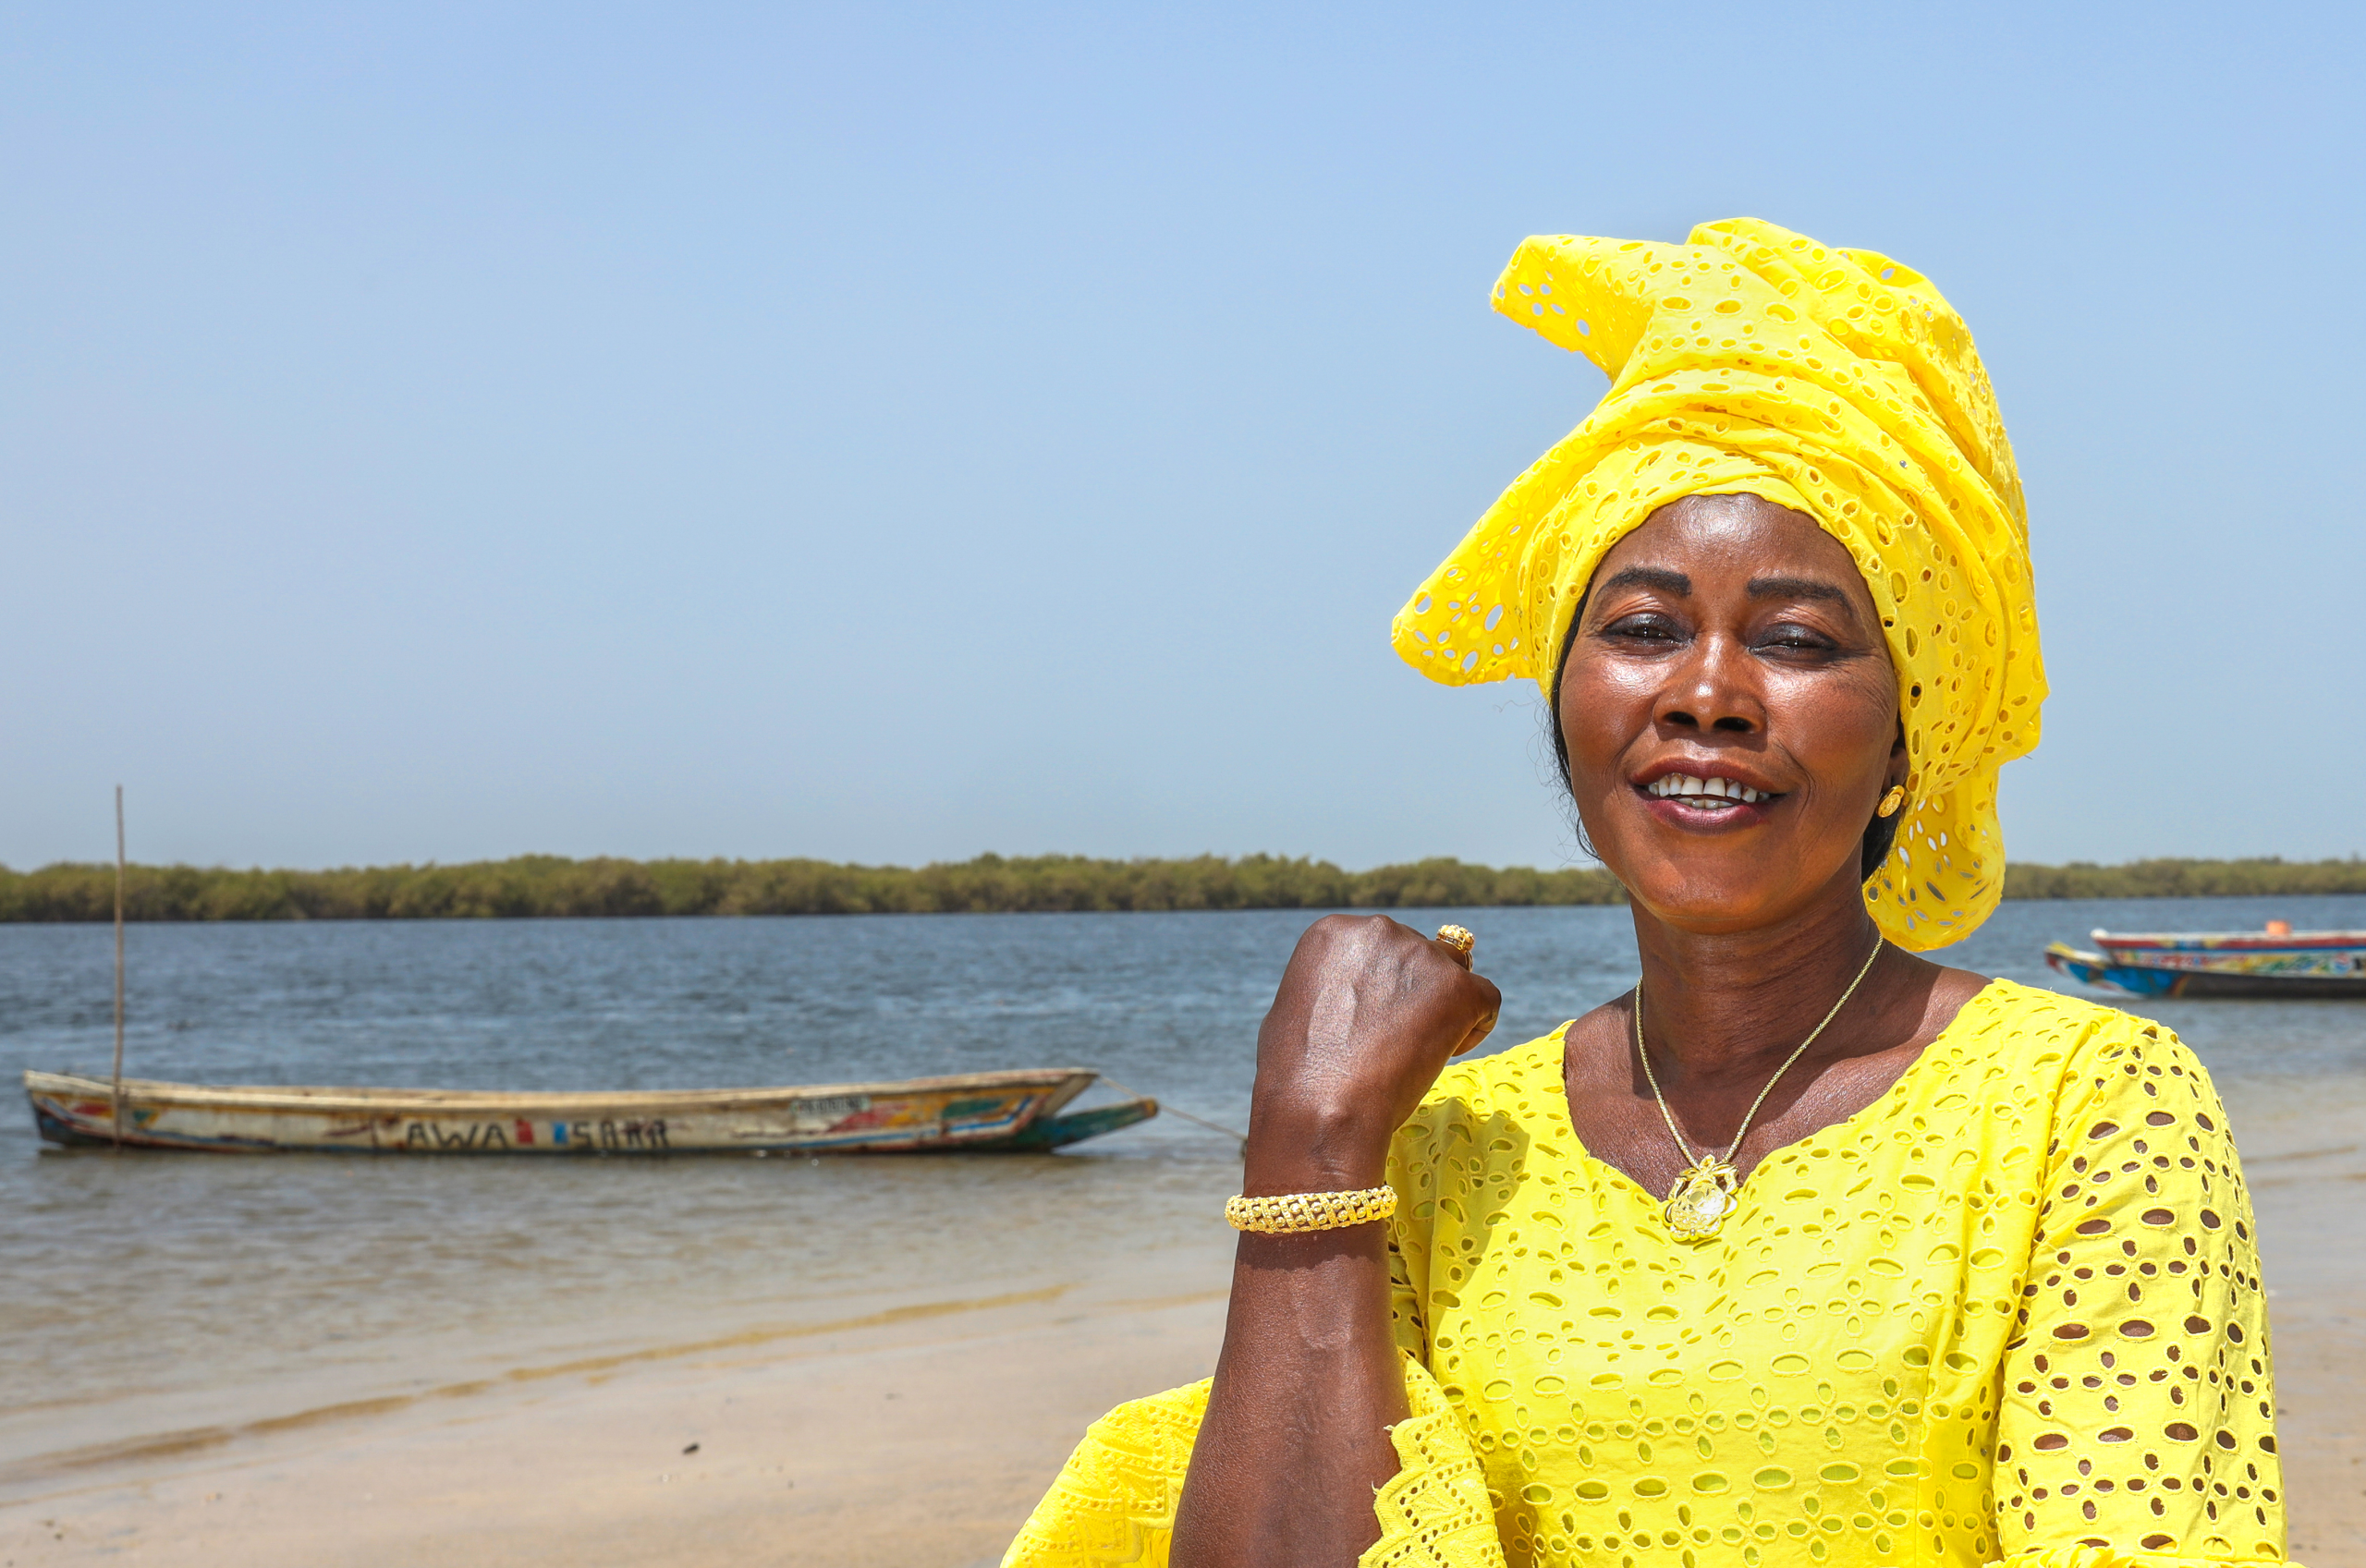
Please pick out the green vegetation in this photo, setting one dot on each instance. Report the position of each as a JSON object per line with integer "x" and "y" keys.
{"x": 2270, "y": 878}
{"x": 550, "y": 885}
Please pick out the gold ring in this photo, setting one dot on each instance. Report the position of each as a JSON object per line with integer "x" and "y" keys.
{"x": 1458, "y": 938}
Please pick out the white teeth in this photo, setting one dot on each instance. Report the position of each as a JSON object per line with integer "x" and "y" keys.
{"x": 1708, "y": 789}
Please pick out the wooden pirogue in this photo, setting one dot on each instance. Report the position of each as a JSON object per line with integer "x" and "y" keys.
{"x": 998, "y": 1112}
{"x": 2277, "y": 962}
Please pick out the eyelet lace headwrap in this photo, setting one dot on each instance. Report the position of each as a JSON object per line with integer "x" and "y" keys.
{"x": 1834, "y": 383}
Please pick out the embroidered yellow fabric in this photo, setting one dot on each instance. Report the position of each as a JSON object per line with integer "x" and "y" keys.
{"x": 2010, "y": 1312}
{"x": 1114, "y": 1501}
{"x": 1838, "y": 384}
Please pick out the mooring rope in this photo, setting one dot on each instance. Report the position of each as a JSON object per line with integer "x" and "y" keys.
{"x": 1240, "y": 1138}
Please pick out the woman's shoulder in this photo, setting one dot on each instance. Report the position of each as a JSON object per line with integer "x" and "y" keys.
{"x": 2041, "y": 1026}
{"x": 2066, "y": 1047}
{"x": 2046, "y": 1053}
{"x": 2004, "y": 1020}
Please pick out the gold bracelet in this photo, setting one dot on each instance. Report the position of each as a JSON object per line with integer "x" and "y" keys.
{"x": 1291, "y": 1213}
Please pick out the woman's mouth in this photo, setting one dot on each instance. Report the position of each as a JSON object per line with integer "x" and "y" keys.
{"x": 1711, "y": 798}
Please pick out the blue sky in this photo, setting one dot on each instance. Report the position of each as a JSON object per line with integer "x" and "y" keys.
{"x": 890, "y": 433}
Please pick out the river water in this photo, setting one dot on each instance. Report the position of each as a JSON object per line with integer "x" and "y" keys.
{"x": 153, "y": 1292}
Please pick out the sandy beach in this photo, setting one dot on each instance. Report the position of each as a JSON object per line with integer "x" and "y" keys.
{"x": 916, "y": 1432}
{"x": 913, "y": 1433}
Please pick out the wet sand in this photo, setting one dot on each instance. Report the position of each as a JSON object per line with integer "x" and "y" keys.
{"x": 2313, "y": 1233}
{"x": 914, "y": 1434}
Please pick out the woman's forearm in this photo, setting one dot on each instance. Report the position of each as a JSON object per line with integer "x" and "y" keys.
{"x": 1295, "y": 1440}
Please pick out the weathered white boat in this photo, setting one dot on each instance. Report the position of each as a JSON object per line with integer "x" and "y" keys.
{"x": 1003, "y": 1110}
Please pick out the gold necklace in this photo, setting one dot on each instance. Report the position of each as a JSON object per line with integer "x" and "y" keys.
{"x": 1703, "y": 1197}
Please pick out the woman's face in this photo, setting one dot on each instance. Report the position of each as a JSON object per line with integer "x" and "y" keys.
{"x": 1730, "y": 713}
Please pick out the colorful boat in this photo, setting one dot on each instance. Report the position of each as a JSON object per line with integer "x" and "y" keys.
{"x": 2277, "y": 962}
{"x": 982, "y": 1111}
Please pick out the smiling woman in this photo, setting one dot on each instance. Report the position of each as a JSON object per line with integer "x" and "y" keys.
{"x": 1808, "y": 1250}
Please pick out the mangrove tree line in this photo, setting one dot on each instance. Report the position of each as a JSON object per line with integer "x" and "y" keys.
{"x": 549, "y": 885}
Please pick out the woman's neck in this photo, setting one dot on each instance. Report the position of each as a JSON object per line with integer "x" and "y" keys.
{"x": 1728, "y": 1007}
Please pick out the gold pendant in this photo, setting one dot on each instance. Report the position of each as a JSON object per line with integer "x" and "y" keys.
{"x": 1701, "y": 1199}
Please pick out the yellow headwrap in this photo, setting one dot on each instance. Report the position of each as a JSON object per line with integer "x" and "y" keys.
{"x": 1836, "y": 383}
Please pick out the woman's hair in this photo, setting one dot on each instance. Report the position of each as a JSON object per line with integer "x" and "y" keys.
{"x": 1880, "y": 833}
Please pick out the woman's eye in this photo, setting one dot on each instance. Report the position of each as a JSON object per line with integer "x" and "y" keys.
{"x": 1795, "y": 640}
{"x": 1647, "y": 629}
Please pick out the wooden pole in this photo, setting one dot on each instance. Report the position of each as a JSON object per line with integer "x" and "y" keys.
{"x": 118, "y": 969}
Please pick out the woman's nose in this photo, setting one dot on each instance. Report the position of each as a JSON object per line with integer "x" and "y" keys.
{"x": 1714, "y": 690}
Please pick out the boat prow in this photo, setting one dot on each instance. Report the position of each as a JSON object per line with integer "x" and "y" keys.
{"x": 1075, "y": 1127}
{"x": 1015, "y": 1111}
{"x": 2097, "y": 970}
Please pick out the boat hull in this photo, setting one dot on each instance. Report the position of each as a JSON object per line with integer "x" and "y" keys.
{"x": 983, "y": 1112}
{"x": 2140, "y": 975}
{"x": 1057, "y": 1132}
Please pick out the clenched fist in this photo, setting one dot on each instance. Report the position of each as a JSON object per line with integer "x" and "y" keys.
{"x": 1368, "y": 1013}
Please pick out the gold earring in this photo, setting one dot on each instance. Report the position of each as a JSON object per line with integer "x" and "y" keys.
{"x": 1891, "y": 802}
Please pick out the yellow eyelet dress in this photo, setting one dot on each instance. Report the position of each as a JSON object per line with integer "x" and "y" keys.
{"x": 2010, "y": 1312}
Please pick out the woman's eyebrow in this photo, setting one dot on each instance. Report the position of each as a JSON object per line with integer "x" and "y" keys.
{"x": 1661, "y": 577}
{"x": 1800, "y": 588}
